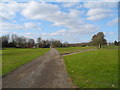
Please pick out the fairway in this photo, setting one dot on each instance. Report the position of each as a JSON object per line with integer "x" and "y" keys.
{"x": 94, "y": 69}
{"x": 73, "y": 49}
{"x": 13, "y": 58}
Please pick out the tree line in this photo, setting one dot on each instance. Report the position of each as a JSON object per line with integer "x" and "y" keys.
{"x": 23, "y": 42}
{"x": 16, "y": 41}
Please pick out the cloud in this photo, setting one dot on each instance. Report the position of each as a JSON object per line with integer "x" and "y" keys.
{"x": 97, "y": 11}
{"x": 113, "y": 22}
{"x": 56, "y": 33}
{"x": 72, "y": 36}
{"x": 60, "y": 0}
{"x": 31, "y": 25}
{"x": 24, "y": 26}
{"x": 99, "y": 17}
{"x": 70, "y": 4}
{"x": 36, "y": 10}
{"x": 5, "y": 1}
{"x": 3, "y": 19}
{"x": 9, "y": 10}
{"x": 7, "y": 32}
{"x": 86, "y": 29}
{"x": 100, "y": 10}
{"x": 100, "y": 4}
{"x": 112, "y": 36}
{"x": 45, "y": 11}
{"x": 73, "y": 21}
{"x": 33, "y": 34}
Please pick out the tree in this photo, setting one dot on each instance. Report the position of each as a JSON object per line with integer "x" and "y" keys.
{"x": 0, "y": 43}
{"x": 21, "y": 42}
{"x": 13, "y": 40}
{"x": 30, "y": 43}
{"x": 65, "y": 44}
{"x": 115, "y": 43}
{"x": 118, "y": 43}
{"x": 39, "y": 41}
{"x": 5, "y": 40}
{"x": 43, "y": 44}
{"x": 56, "y": 43}
{"x": 48, "y": 43}
{"x": 98, "y": 40}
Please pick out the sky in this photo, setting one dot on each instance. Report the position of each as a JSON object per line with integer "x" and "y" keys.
{"x": 73, "y": 22}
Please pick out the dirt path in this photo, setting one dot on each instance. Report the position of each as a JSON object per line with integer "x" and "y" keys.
{"x": 47, "y": 71}
{"x": 77, "y": 52}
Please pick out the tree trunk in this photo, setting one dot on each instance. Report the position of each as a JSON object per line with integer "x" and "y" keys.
{"x": 99, "y": 45}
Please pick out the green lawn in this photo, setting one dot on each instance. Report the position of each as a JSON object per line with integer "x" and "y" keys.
{"x": 13, "y": 58}
{"x": 94, "y": 69}
{"x": 73, "y": 49}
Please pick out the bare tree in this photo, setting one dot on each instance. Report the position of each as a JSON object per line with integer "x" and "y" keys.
{"x": 21, "y": 42}
{"x": 39, "y": 41}
{"x": 65, "y": 44}
{"x": 31, "y": 43}
{"x": 5, "y": 40}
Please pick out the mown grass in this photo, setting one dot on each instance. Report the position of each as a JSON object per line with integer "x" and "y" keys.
{"x": 13, "y": 58}
{"x": 94, "y": 69}
{"x": 110, "y": 47}
{"x": 73, "y": 49}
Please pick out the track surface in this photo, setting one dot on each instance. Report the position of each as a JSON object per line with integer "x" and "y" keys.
{"x": 47, "y": 71}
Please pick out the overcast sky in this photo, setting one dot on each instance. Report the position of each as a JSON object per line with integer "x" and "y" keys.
{"x": 66, "y": 21}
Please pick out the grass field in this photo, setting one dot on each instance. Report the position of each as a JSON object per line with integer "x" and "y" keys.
{"x": 94, "y": 69}
{"x": 13, "y": 58}
{"x": 73, "y": 49}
